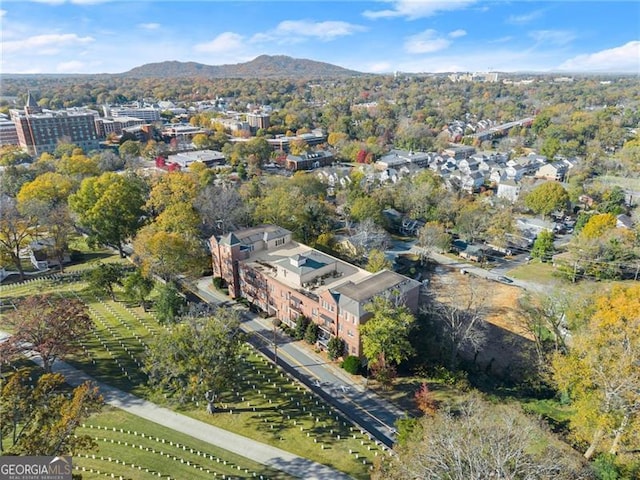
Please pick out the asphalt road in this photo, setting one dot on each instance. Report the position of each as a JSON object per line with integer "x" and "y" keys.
{"x": 363, "y": 407}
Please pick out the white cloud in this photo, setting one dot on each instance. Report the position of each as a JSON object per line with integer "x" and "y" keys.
{"x": 457, "y": 33}
{"x": 2, "y": 13}
{"x": 226, "y": 42}
{"x": 625, "y": 58}
{"x": 525, "y": 17}
{"x": 289, "y": 31}
{"x": 149, "y": 26}
{"x": 378, "y": 67}
{"x": 553, "y": 37}
{"x": 414, "y": 9}
{"x": 47, "y": 44}
{"x": 425, "y": 42}
{"x": 73, "y": 66}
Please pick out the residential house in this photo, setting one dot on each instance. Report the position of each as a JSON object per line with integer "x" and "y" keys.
{"x": 624, "y": 221}
{"x": 471, "y": 182}
{"x": 42, "y": 254}
{"x": 475, "y": 253}
{"x": 552, "y": 171}
{"x": 287, "y": 279}
{"x": 508, "y": 189}
{"x": 516, "y": 172}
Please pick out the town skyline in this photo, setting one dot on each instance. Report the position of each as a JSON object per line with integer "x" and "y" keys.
{"x": 106, "y": 36}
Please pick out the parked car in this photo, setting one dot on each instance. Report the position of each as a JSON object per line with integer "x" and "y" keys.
{"x": 504, "y": 279}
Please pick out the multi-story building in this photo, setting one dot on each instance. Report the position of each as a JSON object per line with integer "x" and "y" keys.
{"x": 105, "y": 126}
{"x": 258, "y": 120}
{"x": 41, "y": 130}
{"x": 148, "y": 114}
{"x": 8, "y": 131}
{"x": 287, "y": 279}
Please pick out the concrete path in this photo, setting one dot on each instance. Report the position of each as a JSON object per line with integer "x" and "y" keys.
{"x": 346, "y": 393}
{"x": 245, "y": 447}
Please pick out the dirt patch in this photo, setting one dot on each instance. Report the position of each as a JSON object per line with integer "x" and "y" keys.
{"x": 508, "y": 346}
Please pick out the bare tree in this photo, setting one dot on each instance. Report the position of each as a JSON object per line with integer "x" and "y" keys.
{"x": 479, "y": 441}
{"x": 544, "y": 319}
{"x": 367, "y": 236}
{"x": 222, "y": 209}
{"x": 459, "y": 315}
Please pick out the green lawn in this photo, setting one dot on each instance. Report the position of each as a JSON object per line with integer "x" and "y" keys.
{"x": 536, "y": 271}
{"x": 265, "y": 404}
{"x": 132, "y": 447}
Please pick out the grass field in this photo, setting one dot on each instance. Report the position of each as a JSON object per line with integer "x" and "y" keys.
{"x": 131, "y": 447}
{"x": 265, "y": 404}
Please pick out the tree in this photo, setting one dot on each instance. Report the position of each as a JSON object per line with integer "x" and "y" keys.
{"x": 335, "y": 348}
{"x": 385, "y": 336}
{"x": 168, "y": 254}
{"x": 51, "y": 326}
{"x": 457, "y": 316}
{"x": 377, "y": 262}
{"x": 222, "y": 209}
{"x": 104, "y": 277}
{"x": 11, "y": 155}
{"x": 302, "y": 323}
{"x": 311, "y": 333}
{"x": 199, "y": 358}
{"x": 543, "y": 246}
{"x": 138, "y": 287}
{"x": 597, "y": 225}
{"x": 600, "y": 374}
{"x": 479, "y": 440}
{"x": 547, "y": 198}
{"x": 170, "y": 303}
{"x": 41, "y": 419}
{"x": 425, "y": 401}
{"x": 110, "y": 208}
{"x": 433, "y": 237}
{"x": 544, "y": 318}
{"x": 365, "y": 207}
{"x": 16, "y": 231}
{"x": 49, "y": 187}
{"x": 129, "y": 149}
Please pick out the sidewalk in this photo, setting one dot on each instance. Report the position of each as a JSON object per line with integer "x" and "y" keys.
{"x": 245, "y": 447}
{"x": 346, "y": 393}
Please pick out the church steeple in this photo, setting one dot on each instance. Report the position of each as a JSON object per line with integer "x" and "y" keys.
{"x": 31, "y": 106}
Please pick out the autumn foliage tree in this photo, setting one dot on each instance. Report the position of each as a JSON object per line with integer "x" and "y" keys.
{"x": 41, "y": 419}
{"x": 601, "y": 375}
{"x": 547, "y": 198}
{"x": 48, "y": 325}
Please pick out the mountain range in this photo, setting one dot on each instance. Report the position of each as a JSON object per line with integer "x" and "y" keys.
{"x": 264, "y": 66}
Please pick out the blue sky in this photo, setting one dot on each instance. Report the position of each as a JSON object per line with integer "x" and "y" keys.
{"x": 112, "y": 36}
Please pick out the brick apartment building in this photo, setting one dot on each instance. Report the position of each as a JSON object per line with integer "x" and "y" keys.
{"x": 287, "y": 279}
{"x": 41, "y": 130}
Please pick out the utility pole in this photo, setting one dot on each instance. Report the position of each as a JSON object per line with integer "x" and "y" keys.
{"x": 275, "y": 342}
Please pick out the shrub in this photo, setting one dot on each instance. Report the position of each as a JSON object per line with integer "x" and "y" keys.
{"x": 351, "y": 364}
{"x": 218, "y": 282}
{"x": 311, "y": 334}
{"x": 302, "y": 323}
{"x": 335, "y": 348}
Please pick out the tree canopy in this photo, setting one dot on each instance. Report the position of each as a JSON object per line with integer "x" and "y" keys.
{"x": 110, "y": 208}
{"x": 199, "y": 358}
{"x": 49, "y": 325}
{"x": 600, "y": 374}
{"x": 547, "y": 198}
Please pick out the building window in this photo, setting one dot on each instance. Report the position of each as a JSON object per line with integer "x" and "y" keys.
{"x": 349, "y": 333}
